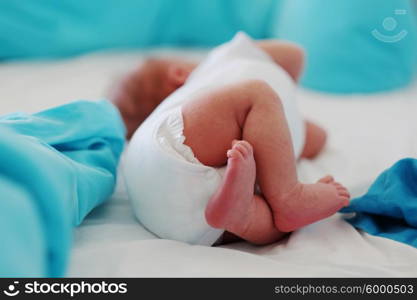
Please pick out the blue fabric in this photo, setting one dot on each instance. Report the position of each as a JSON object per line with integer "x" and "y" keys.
{"x": 51, "y": 28}
{"x": 389, "y": 208}
{"x": 55, "y": 167}
{"x": 343, "y": 55}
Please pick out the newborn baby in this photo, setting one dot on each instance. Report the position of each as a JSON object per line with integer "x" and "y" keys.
{"x": 218, "y": 155}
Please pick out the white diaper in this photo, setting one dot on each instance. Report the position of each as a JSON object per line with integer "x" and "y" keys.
{"x": 168, "y": 187}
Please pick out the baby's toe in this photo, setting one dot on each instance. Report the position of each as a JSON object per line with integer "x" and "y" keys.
{"x": 248, "y": 146}
{"x": 234, "y": 142}
{"x": 342, "y": 191}
{"x": 327, "y": 179}
{"x": 345, "y": 200}
{"x": 242, "y": 148}
{"x": 234, "y": 153}
{"x": 344, "y": 194}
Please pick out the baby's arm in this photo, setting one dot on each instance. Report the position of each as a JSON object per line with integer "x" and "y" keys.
{"x": 288, "y": 55}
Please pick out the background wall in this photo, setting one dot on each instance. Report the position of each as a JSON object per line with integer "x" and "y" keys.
{"x": 53, "y": 28}
{"x": 352, "y": 46}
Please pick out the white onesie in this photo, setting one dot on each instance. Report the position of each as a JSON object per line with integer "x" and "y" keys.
{"x": 168, "y": 187}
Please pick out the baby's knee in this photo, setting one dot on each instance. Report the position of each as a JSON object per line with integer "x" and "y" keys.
{"x": 297, "y": 54}
{"x": 295, "y": 61}
{"x": 243, "y": 97}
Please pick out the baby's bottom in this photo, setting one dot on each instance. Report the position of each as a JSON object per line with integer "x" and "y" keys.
{"x": 252, "y": 111}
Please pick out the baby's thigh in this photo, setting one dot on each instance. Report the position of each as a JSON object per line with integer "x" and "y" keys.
{"x": 211, "y": 123}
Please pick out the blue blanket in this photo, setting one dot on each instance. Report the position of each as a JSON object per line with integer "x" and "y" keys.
{"x": 389, "y": 208}
{"x": 55, "y": 167}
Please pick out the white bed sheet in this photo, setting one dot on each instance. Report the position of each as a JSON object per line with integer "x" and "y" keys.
{"x": 367, "y": 134}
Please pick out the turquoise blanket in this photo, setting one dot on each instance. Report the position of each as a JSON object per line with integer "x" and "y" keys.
{"x": 389, "y": 208}
{"x": 54, "y": 28}
{"x": 55, "y": 167}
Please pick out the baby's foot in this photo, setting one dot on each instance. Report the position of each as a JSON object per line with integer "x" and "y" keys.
{"x": 308, "y": 203}
{"x": 232, "y": 201}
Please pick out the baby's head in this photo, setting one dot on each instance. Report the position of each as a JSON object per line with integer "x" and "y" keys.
{"x": 144, "y": 89}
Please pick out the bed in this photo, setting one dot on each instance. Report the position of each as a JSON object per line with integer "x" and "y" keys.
{"x": 367, "y": 133}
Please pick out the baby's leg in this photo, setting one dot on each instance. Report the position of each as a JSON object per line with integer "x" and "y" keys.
{"x": 234, "y": 206}
{"x": 291, "y": 58}
{"x": 315, "y": 140}
{"x": 253, "y": 112}
{"x": 288, "y": 55}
